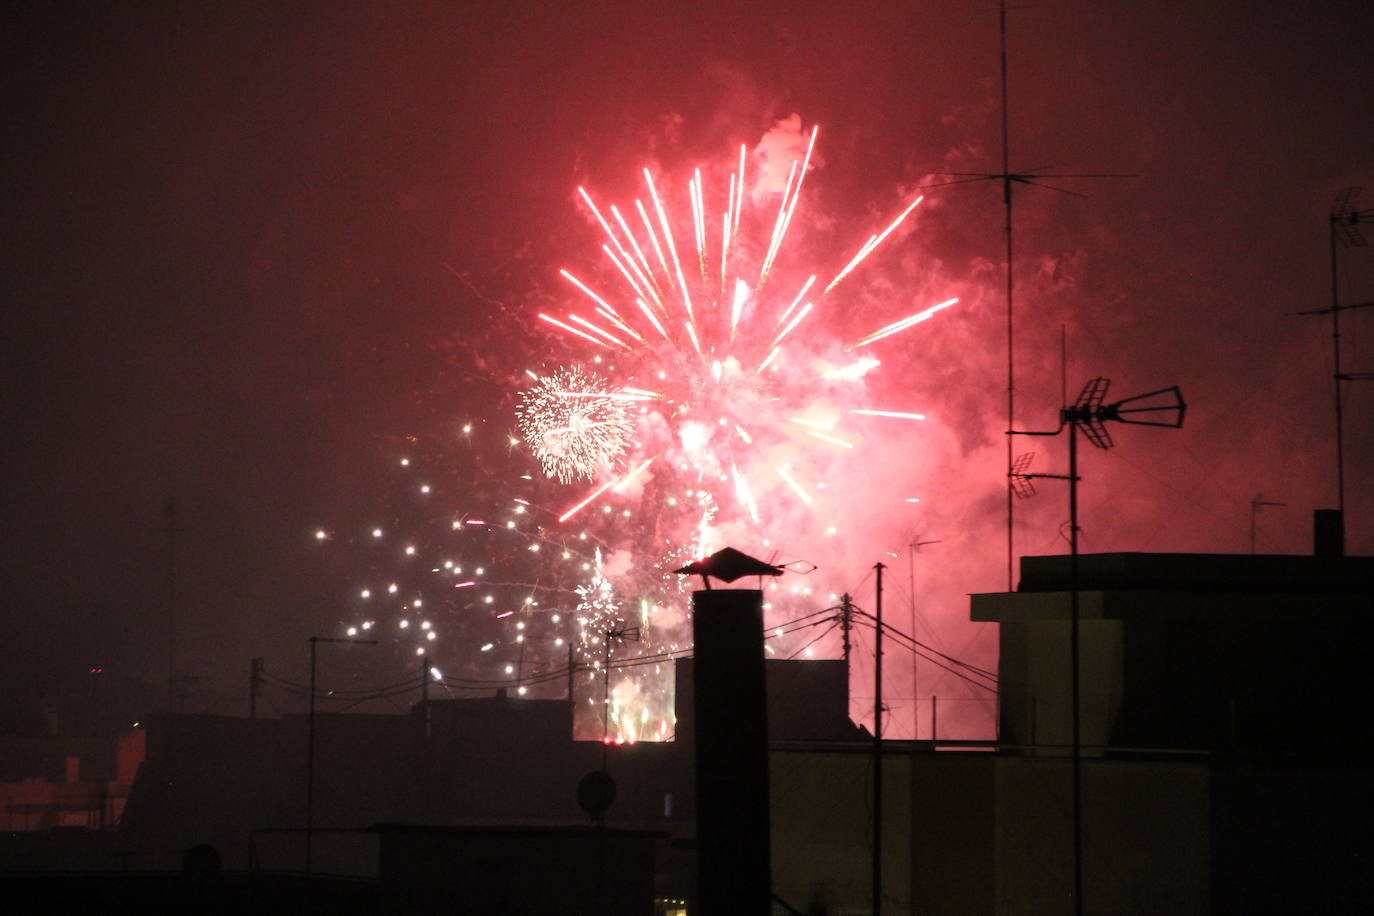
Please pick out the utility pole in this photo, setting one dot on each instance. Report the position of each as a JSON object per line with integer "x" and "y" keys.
{"x": 878, "y": 744}
{"x": 310, "y": 747}
{"x": 846, "y": 623}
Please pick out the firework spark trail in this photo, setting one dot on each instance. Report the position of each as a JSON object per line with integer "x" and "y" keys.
{"x": 796, "y": 487}
{"x": 872, "y": 244}
{"x": 649, "y": 228}
{"x": 555, "y": 322}
{"x": 896, "y": 414}
{"x": 805, "y": 286}
{"x": 785, "y": 214}
{"x": 741, "y": 296}
{"x": 614, "y": 484}
{"x": 672, "y": 246}
{"x": 610, "y": 255}
{"x": 647, "y": 272}
{"x": 852, "y": 372}
{"x": 904, "y": 323}
{"x": 596, "y": 330}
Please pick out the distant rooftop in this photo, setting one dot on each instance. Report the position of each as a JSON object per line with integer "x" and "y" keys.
{"x": 1200, "y": 572}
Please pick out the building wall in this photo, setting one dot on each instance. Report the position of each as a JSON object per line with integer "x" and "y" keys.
{"x": 1146, "y": 836}
{"x": 822, "y": 830}
{"x": 984, "y": 833}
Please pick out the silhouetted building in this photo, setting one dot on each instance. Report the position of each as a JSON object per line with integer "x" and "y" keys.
{"x": 1221, "y": 771}
{"x": 1221, "y": 697}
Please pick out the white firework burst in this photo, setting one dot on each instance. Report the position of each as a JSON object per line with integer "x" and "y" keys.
{"x": 576, "y": 423}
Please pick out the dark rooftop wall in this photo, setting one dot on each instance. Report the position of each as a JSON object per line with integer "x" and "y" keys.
{"x": 1200, "y": 572}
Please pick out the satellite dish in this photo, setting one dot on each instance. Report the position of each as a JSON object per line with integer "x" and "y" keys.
{"x": 595, "y": 792}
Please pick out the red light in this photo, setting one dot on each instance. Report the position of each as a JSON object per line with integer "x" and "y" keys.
{"x": 606, "y": 740}
{"x": 97, "y": 671}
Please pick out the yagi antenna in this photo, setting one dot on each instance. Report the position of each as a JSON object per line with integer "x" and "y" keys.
{"x": 1346, "y": 216}
{"x": 1345, "y": 219}
{"x": 1090, "y": 415}
{"x": 1021, "y": 483}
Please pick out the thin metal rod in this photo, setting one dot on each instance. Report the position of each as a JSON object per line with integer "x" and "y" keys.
{"x": 915, "y": 681}
{"x": 424, "y": 696}
{"x": 1011, "y": 359}
{"x": 310, "y": 746}
{"x": 310, "y": 763}
{"x": 846, "y": 623}
{"x": 1254, "y": 509}
{"x": 171, "y": 529}
{"x": 1074, "y": 667}
{"x": 1336, "y": 365}
{"x": 878, "y": 744}
{"x": 572, "y": 670}
{"x": 606, "y": 702}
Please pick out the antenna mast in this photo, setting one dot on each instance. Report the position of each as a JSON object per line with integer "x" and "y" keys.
{"x": 1011, "y": 351}
{"x": 170, "y": 510}
{"x": 1344, "y": 220}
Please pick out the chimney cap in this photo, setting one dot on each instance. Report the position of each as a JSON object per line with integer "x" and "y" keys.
{"x": 727, "y": 565}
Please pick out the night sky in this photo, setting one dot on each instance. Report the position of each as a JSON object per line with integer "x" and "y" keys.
{"x": 252, "y": 248}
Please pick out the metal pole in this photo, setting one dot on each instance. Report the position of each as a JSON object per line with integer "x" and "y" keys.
{"x": 310, "y": 763}
{"x": 310, "y": 747}
{"x": 254, "y": 674}
{"x": 171, "y": 529}
{"x": 915, "y": 548}
{"x": 572, "y": 670}
{"x": 915, "y": 681}
{"x": 878, "y": 745}
{"x": 1074, "y": 666}
{"x": 846, "y": 621}
{"x": 1336, "y": 364}
{"x": 606, "y": 703}
{"x": 1011, "y": 363}
{"x": 424, "y": 693}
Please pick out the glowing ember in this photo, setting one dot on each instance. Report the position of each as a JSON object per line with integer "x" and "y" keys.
{"x": 575, "y": 424}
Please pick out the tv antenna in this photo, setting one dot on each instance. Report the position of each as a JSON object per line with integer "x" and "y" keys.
{"x": 912, "y": 549}
{"x": 1008, "y": 180}
{"x": 1345, "y": 219}
{"x": 1255, "y": 505}
{"x": 1089, "y": 415}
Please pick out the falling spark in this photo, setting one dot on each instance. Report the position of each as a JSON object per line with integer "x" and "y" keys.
{"x": 898, "y": 415}
{"x": 872, "y": 244}
{"x": 796, "y": 487}
{"x": 905, "y": 323}
{"x": 823, "y": 437}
